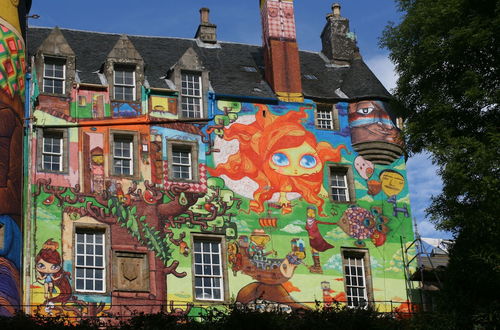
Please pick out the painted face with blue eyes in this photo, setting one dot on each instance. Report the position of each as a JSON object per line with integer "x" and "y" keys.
{"x": 301, "y": 160}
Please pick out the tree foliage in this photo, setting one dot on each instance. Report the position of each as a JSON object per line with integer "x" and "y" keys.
{"x": 447, "y": 55}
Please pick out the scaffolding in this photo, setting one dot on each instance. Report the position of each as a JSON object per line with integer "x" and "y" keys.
{"x": 431, "y": 256}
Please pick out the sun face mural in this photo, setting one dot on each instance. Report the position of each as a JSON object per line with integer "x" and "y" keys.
{"x": 281, "y": 157}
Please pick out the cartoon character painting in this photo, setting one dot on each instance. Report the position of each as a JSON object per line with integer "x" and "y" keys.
{"x": 51, "y": 275}
{"x": 280, "y": 156}
{"x": 316, "y": 240}
{"x": 370, "y": 122}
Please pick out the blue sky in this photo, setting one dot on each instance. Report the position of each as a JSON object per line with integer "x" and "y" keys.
{"x": 239, "y": 21}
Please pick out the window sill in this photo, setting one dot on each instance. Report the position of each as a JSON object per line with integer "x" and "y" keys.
{"x": 52, "y": 172}
{"x": 182, "y": 180}
{"x": 346, "y": 202}
{"x": 64, "y": 95}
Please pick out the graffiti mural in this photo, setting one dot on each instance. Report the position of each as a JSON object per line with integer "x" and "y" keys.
{"x": 276, "y": 166}
{"x": 370, "y": 122}
{"x": 12, "y": 96}
{"x": 279, "y": 156}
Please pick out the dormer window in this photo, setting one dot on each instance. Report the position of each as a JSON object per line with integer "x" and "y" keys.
{"x": 54, "y": 75}
{"x": 191, "y": 95}
{"x": 124, "y": 83}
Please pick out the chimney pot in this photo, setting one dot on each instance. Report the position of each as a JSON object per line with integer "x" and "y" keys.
{"x": 204, "y": 15}
{"x": 336, "y": 9}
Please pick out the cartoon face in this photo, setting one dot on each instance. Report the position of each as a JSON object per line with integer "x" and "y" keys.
{"x": 364, "y": 167}
{"x": 392, "y": 182}
{"x": 311, "y": 213}
{"x": 46, "y": 267}
{"x": 302, "y": 160}
{"x": 370, "y": 122}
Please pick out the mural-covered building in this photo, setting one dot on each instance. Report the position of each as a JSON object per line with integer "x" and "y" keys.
{"x": 175, "y": 174}
{"x": 12, "y": 101}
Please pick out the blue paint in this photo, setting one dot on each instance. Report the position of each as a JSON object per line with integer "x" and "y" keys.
{"x": 11, "y": 249}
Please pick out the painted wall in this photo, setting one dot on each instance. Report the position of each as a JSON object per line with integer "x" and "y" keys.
{"x": 12, "y": 93}
{"x": 268, "y": 185}
{"x": 261, "y": 183}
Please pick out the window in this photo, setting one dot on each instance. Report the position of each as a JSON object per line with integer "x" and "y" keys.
{"x": 208, "y": 269}
{"x": 52, "y": 151}
{"x": 310, "y": 77}
{"x": 54, "y": 72}
{"x": 89, "y": 261}
{"x": 191, "y": 95}
{"x": 181, "y": 163}
{"x": 249, "y": 69}
{"x": 357, "y": 277}
{"x": 124, "y": 83}
{"x": 339, "y": 184}
{"x": 326, "y": 117}
{"x": 123, "y": 154}
{"x": 183, "y": 160}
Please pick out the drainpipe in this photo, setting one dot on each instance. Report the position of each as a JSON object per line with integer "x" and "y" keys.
{"x": 26, "y": 200}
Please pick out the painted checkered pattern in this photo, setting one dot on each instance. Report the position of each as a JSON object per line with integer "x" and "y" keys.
{"x": 278, "y": 20}
{"x": 12, "y": 63}
{"x": 200, "y": 187}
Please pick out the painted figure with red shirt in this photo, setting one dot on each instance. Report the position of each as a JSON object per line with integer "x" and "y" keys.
{"x": 316, "y": 241}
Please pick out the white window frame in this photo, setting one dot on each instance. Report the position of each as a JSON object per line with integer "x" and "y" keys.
{"x": 191, "y": 97}
{"x": 355, "y": 279}
{"x": 123, "y": 85}
{"x": 51, "y": 154}
{"x": 324, "y": 119}
{"x": 126, "y": 140}
{"x": 204, "y": 267}
{"x": 183, "y": 161}
{"x": 50, "y": 61}
{"x": 90, "y": 260}
{"x": 336, "y": 172}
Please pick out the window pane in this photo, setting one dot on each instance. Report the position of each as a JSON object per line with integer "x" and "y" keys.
{"x": 208, "y": 276}
{"x": 90, "y": 261}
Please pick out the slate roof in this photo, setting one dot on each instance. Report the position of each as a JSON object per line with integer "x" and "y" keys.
{"x": 225, "y": 64}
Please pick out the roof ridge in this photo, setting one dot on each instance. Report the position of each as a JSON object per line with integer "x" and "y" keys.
{"x": 161, "y": 37}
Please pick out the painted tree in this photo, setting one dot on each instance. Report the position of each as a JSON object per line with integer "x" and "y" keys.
{"x": 447, "y": 56}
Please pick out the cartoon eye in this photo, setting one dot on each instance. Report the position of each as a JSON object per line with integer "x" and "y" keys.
{"x": 54, "y": 267}
{"x": 280, "y": 159}
{"x": 40, "y": 265}
{"x": 365, "y": 111}
{"x": 308, "y": 161}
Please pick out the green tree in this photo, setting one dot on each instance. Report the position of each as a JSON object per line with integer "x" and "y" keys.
{"x": 447, "y": 56}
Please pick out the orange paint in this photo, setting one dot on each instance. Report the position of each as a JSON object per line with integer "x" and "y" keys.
{"x": 264, "y": 145}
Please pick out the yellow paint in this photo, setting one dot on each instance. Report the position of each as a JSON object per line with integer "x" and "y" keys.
{"x": 392, "y": 183}
{"x": 290, "y": 97}
{"x": 9, "y": 13}
{"x": 159, "y": 103}
{"x": 296, "y": 161}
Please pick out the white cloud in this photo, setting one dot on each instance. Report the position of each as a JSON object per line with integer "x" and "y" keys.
{"x": 336, "y": 233}
{"x": 335, "y": 263}
{"x": 292, "y": 229}
{"x": 383, "y": 68}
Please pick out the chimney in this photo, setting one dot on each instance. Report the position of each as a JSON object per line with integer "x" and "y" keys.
{"x": 339, "y": 45}
{"x": 281, "y": 52}
{"x": 206, "y": 31}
